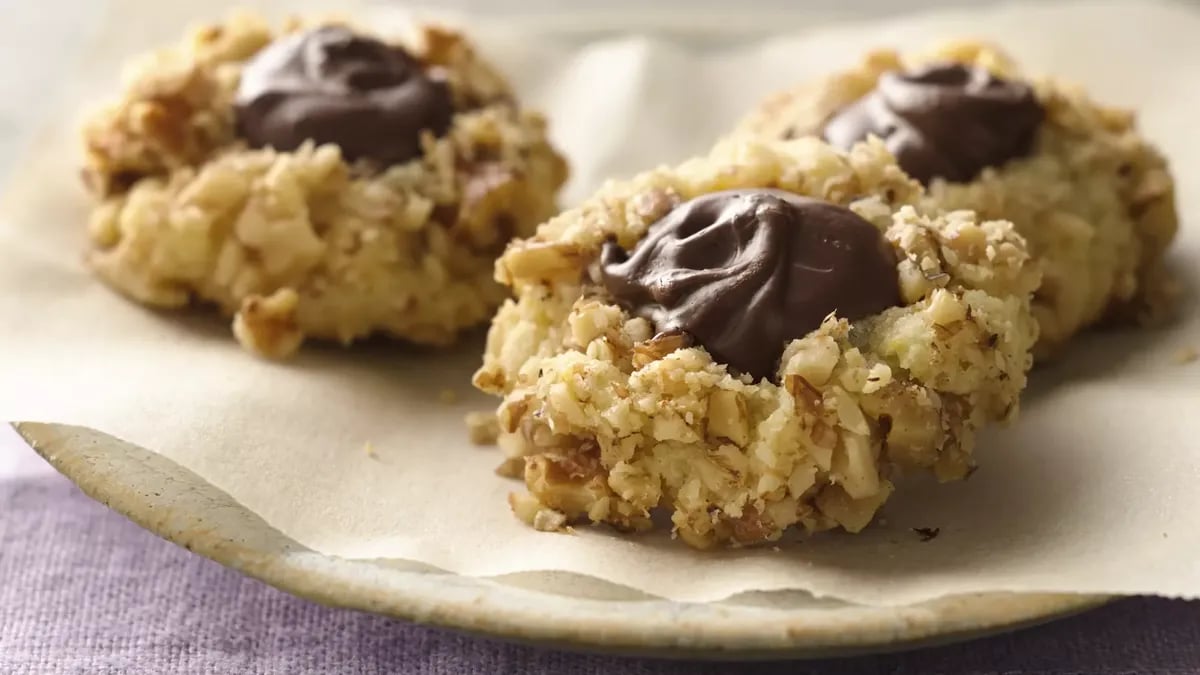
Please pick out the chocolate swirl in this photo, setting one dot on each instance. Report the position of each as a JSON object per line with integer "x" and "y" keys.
{"x": 746, "y": 271}
{"x": 948, "y": 121}
{"x": 330, "y": 85}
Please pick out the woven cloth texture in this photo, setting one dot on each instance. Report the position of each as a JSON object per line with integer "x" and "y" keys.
{"x": 82, "y": 590}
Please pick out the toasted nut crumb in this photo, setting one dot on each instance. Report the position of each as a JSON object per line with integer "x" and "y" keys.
{"x": 511, "y": 413}
{"x": 697, "y": 540}
{"x": 659, "y": 346}
{"x": 540, "y": 261}
{"x": 850, "y": 416}
{"x": 854, "y": 464}
{"x": 267, "y": 326}
{"x": 524, "y": 506}
{"x": 727, "y": 417}
{"x": 549, "y": 520}
{"x": 807, "y": 396}
{"x": 482, "y": 427}
{"x": 1186, "y": 355}
{"x": 945, "y": 309}
{"x": 532, "y": 512}
{"x": 878, "y": 377}
{"x": 511, "y": 467}
{"x": 813, "y": 360}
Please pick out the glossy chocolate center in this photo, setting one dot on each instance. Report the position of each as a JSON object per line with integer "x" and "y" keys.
{"x": 330, "y": 85}
{"x": 746, "y": 271}
{"x": 946, "y": 121}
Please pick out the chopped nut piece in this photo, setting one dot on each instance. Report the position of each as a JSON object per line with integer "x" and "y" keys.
{"x": 267, "y": 326}
{"x": 524, "y": 506}
{"x": 807, "y": 396}
{"x": 944, "y": 309}
{"x": 541, "y": 262}
{"x": 482, "y": 427}
{"x": 659, "y": 346}
{"x": 535, "y": 514}
{"x": 549, "y": 520}
{"x": 511, "y": 467}
{"x": 727, "y": 416}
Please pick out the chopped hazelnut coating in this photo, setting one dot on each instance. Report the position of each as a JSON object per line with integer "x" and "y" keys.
{"x": 614, "y": 419}
{"x": 301, "y": 243}
{"x": 1092, "y": 197}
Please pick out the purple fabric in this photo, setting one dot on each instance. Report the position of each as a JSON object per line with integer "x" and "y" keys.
{"x": 83, "y": 590}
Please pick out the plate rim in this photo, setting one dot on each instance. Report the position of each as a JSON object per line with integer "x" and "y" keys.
{"x": 99, "y": 464}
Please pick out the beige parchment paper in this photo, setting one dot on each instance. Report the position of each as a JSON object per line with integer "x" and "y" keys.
{"x": 1093, "y": 490}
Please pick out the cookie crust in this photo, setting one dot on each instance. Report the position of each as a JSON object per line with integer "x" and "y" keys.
{"x": 1094, "y": 199}
{"x": 612, "y": 422}
{"x": 302, "y": 244}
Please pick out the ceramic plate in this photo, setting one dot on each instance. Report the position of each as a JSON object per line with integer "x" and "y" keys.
{"x": 560, "y": 610}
